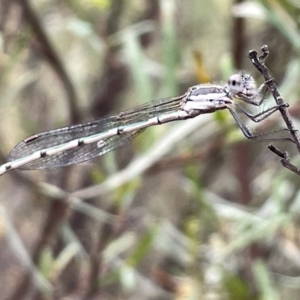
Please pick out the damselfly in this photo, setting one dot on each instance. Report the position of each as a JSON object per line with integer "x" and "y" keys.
{"x": 70, "y": 145}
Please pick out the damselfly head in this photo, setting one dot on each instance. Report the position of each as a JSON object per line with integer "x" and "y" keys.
{"x": 242, "y": 84}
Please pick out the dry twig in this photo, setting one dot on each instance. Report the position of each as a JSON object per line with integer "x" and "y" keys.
{"x": 259, "y": 64}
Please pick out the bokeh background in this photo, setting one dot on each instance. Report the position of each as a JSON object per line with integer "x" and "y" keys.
{"x": 188, "y": 210}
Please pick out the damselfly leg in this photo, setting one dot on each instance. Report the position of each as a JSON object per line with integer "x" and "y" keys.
{"x": 258, "y": 118}
{"x": 261, "y": 115}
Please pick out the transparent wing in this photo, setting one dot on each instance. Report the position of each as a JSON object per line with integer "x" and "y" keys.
{"x": 85, "y": 152}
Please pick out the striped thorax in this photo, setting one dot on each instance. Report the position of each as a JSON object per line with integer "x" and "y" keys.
{"x": 206, "y": 98}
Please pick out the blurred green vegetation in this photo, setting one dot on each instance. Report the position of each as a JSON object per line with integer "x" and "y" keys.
{"x": 190, "y": 210}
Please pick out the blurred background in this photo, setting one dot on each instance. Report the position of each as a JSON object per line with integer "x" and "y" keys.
{"x": 188, "y": 210}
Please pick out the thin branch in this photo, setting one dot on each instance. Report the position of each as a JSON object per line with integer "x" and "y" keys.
{"x": 259, "y": 64}
{"x": 285, "y": 159}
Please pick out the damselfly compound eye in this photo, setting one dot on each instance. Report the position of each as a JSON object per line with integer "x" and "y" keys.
{"x": 235, "y": 84}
